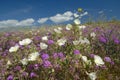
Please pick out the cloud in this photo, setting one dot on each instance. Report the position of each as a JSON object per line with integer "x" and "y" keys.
{"x": 110, "y": 10}
{"x": 7, "y": 23}
{"x": 83, "y": 14}
{"x": 15, "y": 23}
{"x": 27, "y": 22}
{"x": 42, "y": 20}
{"x": 68, "y": 13}
{"x": 100, "y": 12}
{"x": 59, "y": 18}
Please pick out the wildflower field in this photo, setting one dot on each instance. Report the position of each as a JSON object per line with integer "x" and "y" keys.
{"x": 72, "y": 52}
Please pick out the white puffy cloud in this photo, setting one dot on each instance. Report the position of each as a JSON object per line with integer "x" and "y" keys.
{"x": 100, "y": 12}
{"x": 15, "y": 23}
{"x": 26, "y": 22}
{"x": 59, "y": 18}
{"x": 7, "y": 23}
{"x": 83, "y": 14}
{"x": 68, "y": 13}
{"x": 42, "y": 20}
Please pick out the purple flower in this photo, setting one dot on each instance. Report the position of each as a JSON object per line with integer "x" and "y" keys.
{"x": 97, "y": 67}
{"x": 1, "y": 62}
{"x": 30, "y": 67}
{"x": 85, "y": 31}
{"x": 12, "y": 43}
{"x": 33, "y": 74}
{"x": 96, "y": 29}
{"x": 21, "y": 47}
{"x": 55, "y": 55}
{"x": 37, "y": 38}
{"x": 103, "y": 39}
{"x": 38, "y": 45}
{"x": 10, "y": 77}
{"x": 46, "y": 63}
{"x": 50, "y": 41}
{"x": 49, "y": 33}
{"x": 7, "y": 34}
{"x": 45, "y": 56}
{"x": 92, "y": 55}
{"x": 4, "y": 54}
{"x": 116, "y": 41}
{"x": 57, "y": 66}
{"x": 76, "y": 52}
{"x": 107, "y": 59}
{"x": 38, "y": 48}
{"x": 61, "y": 55}
{"x": 28, "y": 46}
{"x": 36, "y": 66}
{"x": 18, "y": 68}
{"x": 1, "y": 49}
{"x": 103, "y": 67}
{"x": 24, "y": 74}
{"x": 3, "y": 71}
{"x": 112, "y": 62}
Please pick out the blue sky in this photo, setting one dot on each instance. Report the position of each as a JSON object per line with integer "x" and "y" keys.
{"x": 22, "y": 10}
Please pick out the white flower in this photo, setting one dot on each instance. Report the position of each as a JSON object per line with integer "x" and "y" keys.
{"x": 38, "y": 31}
{"x": 92, "y": 75}
{"x": 83, "y": 41}
{"x": 84, "y": 58}
{"x": 24, "y": 61}
{"x": 43, "y": 45}
{"x": 45, "y": 38}
{"x": 82, "y": 27}
{"x": 98, "y": 60}
{"x": 33, "y": 56}
{"x": 26, "y": 41}
{"x": 86, "y": 41}
{"x": 76, "y": 42}
{"x": 59, "y": 28}
{"x": 89, "y": 62}
{"x": 9, "y": 62}
{"x": 92, "y": 34}
{"x": 57, "y": 31}
{"x": 68, "y": 27}
{"x": 80, "y": 33}
{"x": 14, "y": 49}
{"x": 77, "y": 21}
{"x": 61, "y": 41}
{"x": 86, "y": 61}
{"x": 76, "y": 15}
